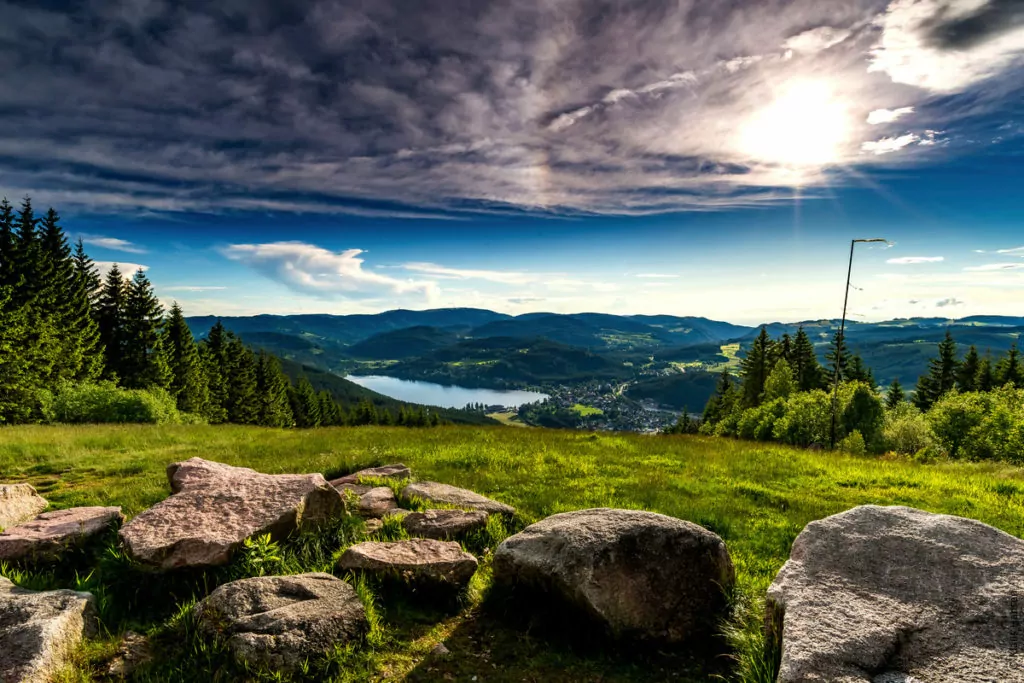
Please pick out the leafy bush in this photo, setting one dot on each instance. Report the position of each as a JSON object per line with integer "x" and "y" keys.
{"x": 808, "y": 419}
{"x": 861, "y": 411}
{"x": 907, "y": 430}
{"x": 853, "y": 443}
{"x": 956, "y": 419}
{"x": 106, "y": 402}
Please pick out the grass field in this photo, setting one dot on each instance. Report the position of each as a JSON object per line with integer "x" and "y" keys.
{"x": 757, "y": 497}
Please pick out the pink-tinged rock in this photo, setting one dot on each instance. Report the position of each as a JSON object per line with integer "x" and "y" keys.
{"x": 397, "y": 471}
{"x": 215, "y": 507}
{"x": 433, "y": 492}
{"x": 419, "y": 560}
{"x": 18, "y": 503}
{"x": 49, "y": 534}
{"x": 444, "y": 524}
{"x": 374, "y": 501}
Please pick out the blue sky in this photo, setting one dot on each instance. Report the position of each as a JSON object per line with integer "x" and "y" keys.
{"x": 646, "y": 157}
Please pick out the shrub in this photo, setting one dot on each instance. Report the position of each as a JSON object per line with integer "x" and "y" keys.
{"x": 956, "y": 420}
{"x": 758, "y": 423}
{"x": 807, "y": 420}
{"x": 105, "y": 402}
{"x": 853, "y": 443}
{"x": 907, "y": 430}
{"x": 861, "y": 410}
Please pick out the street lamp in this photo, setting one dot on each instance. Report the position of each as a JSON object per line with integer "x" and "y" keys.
{"x": 840, "y": 340}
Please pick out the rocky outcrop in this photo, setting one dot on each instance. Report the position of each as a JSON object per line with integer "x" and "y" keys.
{"x": 418, "y": 561}
{"x": 894, "y": 594}
{"x": 433, "y": 492}
{"x": 637, "y": 574}
{"x": 48, "y": 535}
{"x": 398, "y": 471}
{"x": 18, "y": 503}
{"x": 444, "y": 524}
{"x": 40, "y": 630}
{"x": 279, "y": 622}
{"x": 215, "y": 507}
{"x": 374, "y": 501}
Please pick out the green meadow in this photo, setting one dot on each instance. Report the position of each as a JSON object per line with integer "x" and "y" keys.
{"x": 755, "y": 496}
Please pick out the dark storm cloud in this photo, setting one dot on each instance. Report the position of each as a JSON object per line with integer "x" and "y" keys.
{"x": 995, "y": 18}
{"x": 419, "y": 108}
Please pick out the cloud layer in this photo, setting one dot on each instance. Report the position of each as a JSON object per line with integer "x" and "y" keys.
{"x": 425, "y": 109}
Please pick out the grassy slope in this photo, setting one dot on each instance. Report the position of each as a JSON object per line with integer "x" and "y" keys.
{"x": 756, "y": 497}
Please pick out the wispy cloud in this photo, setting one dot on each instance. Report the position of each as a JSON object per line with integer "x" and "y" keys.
{"x": 951, "y": 301}
{"x": 658, "y": 276}
{"x": 889, "y": 145}
{"x": 1016, "y": 251}
{"x": 879, "y": 116}
{"x": 995, "y": 267}
{"x": 113, "y": 243}
{"x": 314, "y": 270}
{"x": 500, "y": 276}
{"x": 127, "y": 269}
{"x": 910, "y": 260}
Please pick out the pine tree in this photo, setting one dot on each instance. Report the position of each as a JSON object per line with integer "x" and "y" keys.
{"x": 941, "y": 377}
{"x": 214, "y": 352}
{"x": 188, "y": 383}
{"x": 857, "y": 371}
{"x": 895, "y": 396}
{"x": 1008, "y": 370}
{"x": 967, "y": 373}
{"x": 330, "y": 413}
{"x": 85, "y": 268}
{"x": 34, "y": 297}
{"x": 10, "y": 271}
{"x": 243, "y": 405}
{"x": 838, "y": 358}
{"x": 718, "y": 406}
{"x": 110, "y": 319}
{"x": 755, "y": 368}
{"x": 143, "y": 362}
{"x": 17, "y": 391}
{"x": 806, "y": 369}
{"x": 306, "y": 404}
{"x": 985, "y": 379}
{"x": 272, "y": 388}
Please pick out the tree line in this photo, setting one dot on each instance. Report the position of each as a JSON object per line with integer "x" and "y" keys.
{"x": 76, "y": 346}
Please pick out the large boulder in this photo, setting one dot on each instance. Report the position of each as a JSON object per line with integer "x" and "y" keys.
{"x": 397, "y": 471}
{"x": 374, "y": 501}
{"x": 39, "y": 631}
{"x": 215, "y": 507}
{"x": 279, "y": 622}
{"x": 18, "y": 503}
{"x": 894, "y": 594}
{"x": 433, "y": 492}
{"x": 48, "y": 535}
{"x": 637, "y": 574}
{"x": 418, "y": 561}
{"x": 444, "y": 524}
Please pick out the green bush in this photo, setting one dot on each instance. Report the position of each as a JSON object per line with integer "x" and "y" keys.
{"x": 956, "y": 420}
{"x": 808, "y": 419}
{"x": 861, "y": 410}
{"x": 105, "y": 402}
{"x": 853, "y": 443}
{"x": 907, "y": 430}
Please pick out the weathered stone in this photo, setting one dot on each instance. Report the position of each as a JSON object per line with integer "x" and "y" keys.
{"x": 433, "y": 492}
{"x": 374, "y": 501}
{"x": 397, "y": 471}
{"x": 215, "y": 507}
{"x": 893, "y": 594}
{"x": 40, "y": 630}
{"x": 418, "y": 560}
{"x": 133, "y": 653}
{"x": 444, "y": 524}
{"x": 18, "y": 503}
{"x": 639, "y": 574}
{"x": 372, "y": 526}
{"x": 49, "y": 534}
{"x": 279, "y": 622}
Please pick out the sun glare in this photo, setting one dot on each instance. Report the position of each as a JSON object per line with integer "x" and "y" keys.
{"x": 805, "y": 126}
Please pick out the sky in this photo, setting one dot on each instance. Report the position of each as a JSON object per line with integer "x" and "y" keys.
{"x": 642, "y": 156}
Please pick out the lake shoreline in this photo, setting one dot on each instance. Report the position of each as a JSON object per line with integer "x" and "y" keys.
{"x": 445, "y": 395}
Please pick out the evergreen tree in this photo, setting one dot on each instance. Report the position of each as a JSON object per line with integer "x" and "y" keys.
{"x": 188, "y": 383}
{"x": 214, "y": 352}
{"x": 985, "y": 379}
{"x": 941, "y": 377}
{"x": 34, "y": 297}
{"x": 895, "y": 395}
{"x": 806, "y": 370}
{"x": 857, "y": 371}
{"x": 143, "y": 362}
{"x": 10, "y": 272}
{"x": 243, "y": 405}
{"x": 780, "y": 383}
{"x": 85, "y": 268}
{"x": 110, "y": 319}
{"x": 305, "y": 404}
{"x": 755, "y": 368}
{"x": 17, "y": 391}
{"x": 330, "y": 413}
{"x": 1008, "y": 370}
{"x": 718, "y": 406}
{"x": 967, "y": 373}
{"x": 272, "y": 387}
{"x": 838, "y": 359}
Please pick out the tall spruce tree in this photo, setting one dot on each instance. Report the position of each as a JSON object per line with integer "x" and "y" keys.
{"x": 86, "y": 271}
{"x": 10, "y": 263}
{"x": 272, "y": 387}
{"x": 110, "y": 319}
{"x": 34, "y": 295}
{"x": 305, "y": 404}
{"x": 895, "y": 396}
{"x": 718, "y": 406}
{"x": 857, "y": 371}
{"x": 17, "y": 388}
{"x": 985, "y": 379}
{"x": 967, "y": 373}
{"x": 941, "y": 377}
{"x": 214, "y": 352}
{"x": 1008, "y": 370}
{"x": 188, "y": 383}
{"x": 755, "y": 367}
{"x": 806, "y": 369}
{"x": 838, "y": 358}
{"x": 330, "y": 412}
{"x": 243, "y": 404}
{"x": 143, "y": 363}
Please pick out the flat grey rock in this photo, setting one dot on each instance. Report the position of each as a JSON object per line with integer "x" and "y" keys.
{"x": 898, "y": 595}
{"x": 639, "y": 574}
{"x": 279, "y": 622}
{"x": 40, "y": 630}
{"x": 47, "y": 536}
{"x": 397, "y": 471}
{"x": 433, "y": 492}
{"x": 373, "y": 501}
{"x": 419, "y": 560}
{"x": 18, "y": 503}
{"x": 215, "y": 507}
{"x": 444, "y": 524}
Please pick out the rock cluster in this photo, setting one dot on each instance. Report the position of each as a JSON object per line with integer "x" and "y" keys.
{"x": 215, "y": 507}
{"x": 47, "y": 536}
{"x": 374, "y": 501}
{"x": 18, "y": 503}
{"x": 397, "y": 471}
{"x": 444, "y": 524}
{"x": 433, "y": 492}
{"x": 421, "y": 561}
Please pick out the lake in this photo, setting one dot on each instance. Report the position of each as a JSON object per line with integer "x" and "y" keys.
{"x": 430, "y": 394}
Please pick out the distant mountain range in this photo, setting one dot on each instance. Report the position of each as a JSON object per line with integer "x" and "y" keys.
{"x": 477, "y": 347}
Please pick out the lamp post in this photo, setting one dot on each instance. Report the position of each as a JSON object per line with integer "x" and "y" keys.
{"x": 840, "y": 339}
